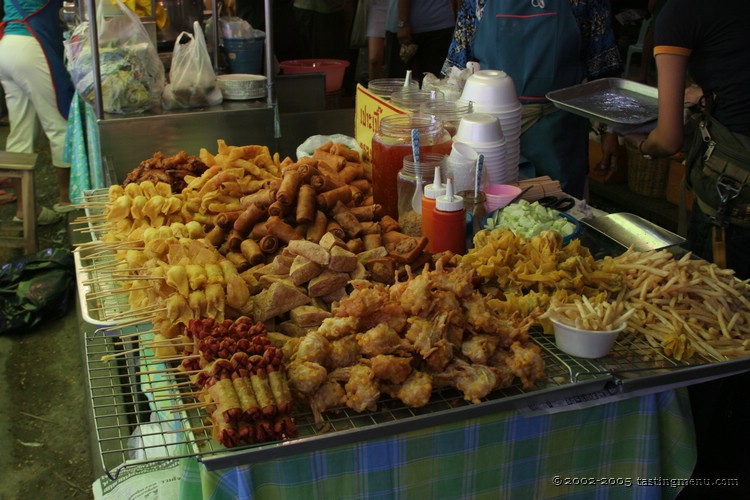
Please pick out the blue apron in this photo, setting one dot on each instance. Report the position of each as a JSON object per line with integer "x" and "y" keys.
{"x": 538, "y": 43}
{"x": 45, "y": 25}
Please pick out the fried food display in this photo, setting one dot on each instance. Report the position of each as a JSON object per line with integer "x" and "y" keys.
{"x": 431, "y": 330}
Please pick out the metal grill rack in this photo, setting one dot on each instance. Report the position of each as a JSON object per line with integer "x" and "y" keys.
{"x": 142, "y": 416}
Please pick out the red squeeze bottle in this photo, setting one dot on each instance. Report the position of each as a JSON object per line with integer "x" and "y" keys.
{"x": 429, "y": 197}
{"x": 449, "y": 222}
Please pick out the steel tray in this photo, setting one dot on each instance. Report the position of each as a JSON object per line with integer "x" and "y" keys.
{"x": 613, "y": 101}
{"x": 631, "y": 230}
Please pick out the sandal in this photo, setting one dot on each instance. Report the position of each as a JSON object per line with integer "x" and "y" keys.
{"x": 46, "y": 218}
{"x": 6, "y": 198}
{"x": 64, "y": 208}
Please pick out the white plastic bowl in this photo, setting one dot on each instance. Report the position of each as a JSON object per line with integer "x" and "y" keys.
{"x": 479, "y": 128}
{"x": 584, "y": 343}
{"x": 491, "y": 88}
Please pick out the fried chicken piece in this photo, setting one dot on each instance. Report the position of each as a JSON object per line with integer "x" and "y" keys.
{"x": 381, "y": 339}
{"x": 313, "y": 347}
{"x": 306, "y": 376}
{"x": 415, "y": 392}
{"x": 344, "y": 352}
{"x": 527, "y": 363}
{"x": 389, "y": 368}
{"x": 479, "y": 347}
{"x": 362, "y": 389}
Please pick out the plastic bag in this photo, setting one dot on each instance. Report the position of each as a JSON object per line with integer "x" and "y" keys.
{"x": 35, "y": 288}
{"x": 192, "y": 81}
{"x": 132, "y": 74}
{"x": 313, "y": 142}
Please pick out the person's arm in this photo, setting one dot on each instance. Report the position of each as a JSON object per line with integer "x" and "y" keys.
{"x": 666, "y": 139}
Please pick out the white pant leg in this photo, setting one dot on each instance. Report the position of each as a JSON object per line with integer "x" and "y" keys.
{"x": 30, "y": 97}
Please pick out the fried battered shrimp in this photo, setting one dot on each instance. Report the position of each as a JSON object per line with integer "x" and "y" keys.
{"x": 338, "y": 327}
{"x": 415, "y": 392}
{"x": 306, "y": 376}
{"x": 475, "y": 381}
{"x": 389, "y": 368}
{"x": 344, "y": 352}
{"x": 527, "y": 363}
{"x": 479, "y": 348}
{"x": 315, "y": 348}
{"x": 381, "y": 339}
{"x": 329, "y": 395}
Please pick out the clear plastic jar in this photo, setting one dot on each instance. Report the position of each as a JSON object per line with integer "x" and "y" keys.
{"x": 392, "y": 143}
{"x": 411, "y": 100}
{"x": 450, "y": 112}
{"x": 411, "y": 175}
{"x": 384, "y": 87}
{"x": 476, "y": 210}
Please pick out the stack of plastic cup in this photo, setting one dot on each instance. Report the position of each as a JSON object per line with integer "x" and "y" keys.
{"x": 461, "y": 165}
{"x": 494, "y": 92}
{"x": 483, "y": 133}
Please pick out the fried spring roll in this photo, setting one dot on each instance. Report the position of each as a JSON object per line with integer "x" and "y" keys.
{"x": 262, "y": 198}
{"x": 233, "y": 240}
{"x": 336, "y": 161}
{"x": 287, "y": 192}
{"x": 351, "y": 155}
{"x": 355, "y": 245}
{"x": 277, "y": 209}
{"x": 307, "y": 167}
{"x": 372, "y": 240}
{"x": 258, "y": 231}
{"x": 388, "y": 223}
{"x": 357, "y": 195}
{"x": 306, "y": 205}
{"x": 335, "y": 229}
{"x": 283, "y": 231}
{"x": 317, "y": 229}
{"x": 269, "y": 244}
{"x": 239, "y": 260}
{"x": 351, "y": 172}
{"x": 248, "y": 219}
{"x": 216, "y": 236}
{"x": 252, "y": 252}
{"x": 322, "y": 183}
{"x": 328, "y": 199}
{"x": 366, "y": 213}
{"x": 226, "y": 220}
{"x": 362, "y": 184}
{"x": 369, "y": 227}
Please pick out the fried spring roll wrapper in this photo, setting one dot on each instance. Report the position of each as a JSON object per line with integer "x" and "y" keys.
{"x": 388, "y": 223}
{"x": 327, "y": 200}
{"x": 335, "y": 161}
{"x": 226, "y": 220}
{"x": 216, "y": 236}
{"x": 317, "y": 229}
{"x": 280, "y": 390}
{"x": 251, "y": 251}
{"x": 244, "y": 389}
{"x": 307, "y": 167}
{"x": 366, "y": 213}
{"x": 351, "y": 172}
{"x": 282, "y": 230}
{"x": 362, "y": 184}
{"x": 262, "y": 198}
{"x": 306, "y": 205}
{"x": 247, "y": 219}
{"x": 269, "y": 244}
{"x": 335, "y": 229}
{"x": 349, "y": 223}
{"x": 392, "y": 238}
{"x": 372, "y": 240}
{"x": 277, "y": 209}
{"x": 323, "y": 182}
{"x": 225, "y": 398}
{"x": 263, "y": 393}
{"x": 356, "y": 245}
{"x": 287, "y": 192}
{"x": 234, "y": 240}
{"x": 258, "y": 231}
{"x": 326, "y": 146}
{"x": 369, "y": 227}
{"x": 351, "y": 155}
{"x": 357, "y": 195}
{"x": 407, "y": 250}
{"x": 239, "y": 260}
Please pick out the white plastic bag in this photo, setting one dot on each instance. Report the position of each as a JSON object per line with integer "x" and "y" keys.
{"x": 192, "y": 81}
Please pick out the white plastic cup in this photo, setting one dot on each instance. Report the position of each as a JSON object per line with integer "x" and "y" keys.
{"x": 491, "y": 88}
{"x": 478, "y": 128}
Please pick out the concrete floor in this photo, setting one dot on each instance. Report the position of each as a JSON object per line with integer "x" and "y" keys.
{"x": 44, "y": 424}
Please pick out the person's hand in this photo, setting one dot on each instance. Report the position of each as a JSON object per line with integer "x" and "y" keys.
{"x": 608, "y": 166}
{"x": 693, "y": 95}
{"x": 635, "y": 139}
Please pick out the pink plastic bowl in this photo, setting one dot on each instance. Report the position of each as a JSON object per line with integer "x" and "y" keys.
{"x": 333, "y": 68}
{"x": 499, "y": 195}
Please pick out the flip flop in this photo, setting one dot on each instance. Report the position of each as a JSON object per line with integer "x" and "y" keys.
{"x": 6, "y": 198}
{"x": 64, "y": 208}
{"x": 46, "y": 218}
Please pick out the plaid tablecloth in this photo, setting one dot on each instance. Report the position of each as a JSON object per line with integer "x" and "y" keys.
{"x": 641, "y": 447}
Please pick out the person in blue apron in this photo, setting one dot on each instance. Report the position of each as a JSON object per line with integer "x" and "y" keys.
{"x": 38, "y": 88}
{"x": 543, "y": 45}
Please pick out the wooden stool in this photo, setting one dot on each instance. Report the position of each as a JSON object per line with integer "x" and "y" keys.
{"x": 21, "y": 166}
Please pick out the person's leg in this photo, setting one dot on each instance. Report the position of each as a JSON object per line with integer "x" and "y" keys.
{"x": 375, "y": 58}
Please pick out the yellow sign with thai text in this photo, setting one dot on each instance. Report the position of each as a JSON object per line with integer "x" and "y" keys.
{"x": 369, "y": 109}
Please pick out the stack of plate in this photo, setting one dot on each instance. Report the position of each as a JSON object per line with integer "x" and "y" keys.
{"x": 241, "y": 87}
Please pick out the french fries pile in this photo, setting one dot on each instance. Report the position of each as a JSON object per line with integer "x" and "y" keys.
{"x": 601, "y": 315}
{"x": 685, "y": 305}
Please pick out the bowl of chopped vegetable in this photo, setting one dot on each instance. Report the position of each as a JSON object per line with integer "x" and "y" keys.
{"x": 529, "y": 219}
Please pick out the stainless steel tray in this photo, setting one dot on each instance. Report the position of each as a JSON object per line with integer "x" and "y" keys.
{"x": 614, "y": 101}
{"x": 631, "y": 230}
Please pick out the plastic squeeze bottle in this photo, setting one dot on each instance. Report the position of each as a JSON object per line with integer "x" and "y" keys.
{"x": 449, "y": 222}
{"x": 429, "y": 196}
